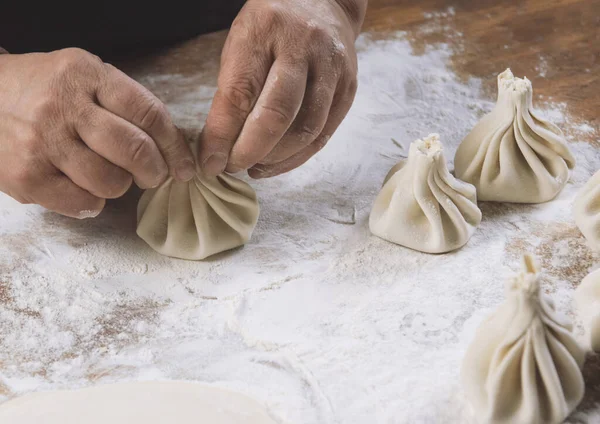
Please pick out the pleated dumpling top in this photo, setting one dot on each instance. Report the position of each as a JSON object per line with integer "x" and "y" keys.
{"x": 524, "y": 365}
{"x": 587, "y": 211}
{"x": 512, "y": 154}
{"x": 422, "y": 206}
{"x": 587, "y": 299}
{"x": 199, "y": 218}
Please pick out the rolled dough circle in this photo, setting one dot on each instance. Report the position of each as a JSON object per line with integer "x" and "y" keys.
{"x": 136, "y": 403}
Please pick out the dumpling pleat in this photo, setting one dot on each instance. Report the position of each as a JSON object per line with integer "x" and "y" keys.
{"x": 197, "y": 219}
{"x": 512, "y": 156}
{"x": 586, "y": 210}
{"x": 422, "y": 206}
{"x": 532, "y": 363}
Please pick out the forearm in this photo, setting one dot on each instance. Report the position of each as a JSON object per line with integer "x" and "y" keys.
{"x": 355, "y": 10}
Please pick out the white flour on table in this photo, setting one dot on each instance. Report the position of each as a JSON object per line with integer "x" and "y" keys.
{"x": 315, "y": 318}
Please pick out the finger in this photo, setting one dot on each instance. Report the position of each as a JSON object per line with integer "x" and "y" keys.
{"x": 271, "y": 117}
{"x": 241, "y": 81}
{"x": 61, "y": 195}
{"x": 124, "y": 145}
{"x": 92, "y": 172}
{"x": 311, "y": 118}
{"x": 341, "y": 105}
{"x": 129, "y": 100}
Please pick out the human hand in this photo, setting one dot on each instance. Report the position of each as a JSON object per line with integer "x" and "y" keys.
{"x": 287, "y": 80}
{"x": 75, "y": 131}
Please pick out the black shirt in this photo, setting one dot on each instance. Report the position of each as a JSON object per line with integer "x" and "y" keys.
{"x": 108, "y": 28}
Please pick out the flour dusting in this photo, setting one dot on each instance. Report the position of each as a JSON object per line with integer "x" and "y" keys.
{"x": 315, "y": 318}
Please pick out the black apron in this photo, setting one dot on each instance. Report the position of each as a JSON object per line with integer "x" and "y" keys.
{"x": 109, "y": 29}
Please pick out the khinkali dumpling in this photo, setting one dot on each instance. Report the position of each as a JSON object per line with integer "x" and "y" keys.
{"x": 199, "y": 218}
{"x": 587, "y": 211}
{"x": 422, "y": 206}
{"x": 524, "y": 366}
{"x": 587, "y": 298}
{"x": 513, "y": 155}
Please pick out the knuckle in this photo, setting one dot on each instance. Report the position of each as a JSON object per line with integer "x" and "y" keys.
{"x": 89, "y": 116}
{"x": 45, "y": 108}
{"x": 151, "y": 113}
{"x": 75, "y": 60}
{"x": 321, "y": 142}
{"x": 119, "y": 185}
{"x": 277, "y": 113}
{"x": 25, "y": 176}
{"x": 273, "y": 13}
{"x": 139, "y": 148}
{"x": 318, "y": 34}
{"x": 309, "y": 131}
{"x": 241, "y": 94}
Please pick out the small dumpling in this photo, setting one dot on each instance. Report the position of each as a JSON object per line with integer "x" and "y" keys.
{"x": 587, "y": 211}
{"x": 512, "y": 154}
{"x": 587, "y": 299}
{"x": 199, "y": 218}
{"x": 422, "y": 206}
{"x": 524, "y": 365}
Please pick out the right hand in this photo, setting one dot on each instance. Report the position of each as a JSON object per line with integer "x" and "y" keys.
{"x": 75, "y": 131}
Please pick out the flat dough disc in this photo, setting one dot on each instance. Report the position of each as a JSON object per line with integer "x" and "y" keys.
{"x": 136, "y": 403}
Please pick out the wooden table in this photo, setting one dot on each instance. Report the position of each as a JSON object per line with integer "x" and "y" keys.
{"x": 562, "y": 37}
{"x": 555, "y": 43}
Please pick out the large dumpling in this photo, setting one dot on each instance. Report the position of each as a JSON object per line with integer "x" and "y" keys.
{"x": 513, "y": 155}
{"x": 422, "y": 206}
{"x": 587, "y": 298}
{"x": 199, "y": 218}
{"x": 524, "y": 365}
{"x": 587, "y": 211}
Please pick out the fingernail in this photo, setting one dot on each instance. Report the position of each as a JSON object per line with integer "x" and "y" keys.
{"x": 186, "y": 170}
{"x": 88, "y": 214}
{"x": 215, "y": 164}
{"x": 258, "y": 172}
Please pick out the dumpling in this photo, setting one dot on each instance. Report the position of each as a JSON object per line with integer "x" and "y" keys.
{"x": 199, "y": 218}
{"x": 587, "y": 211}
{"x": 513, "y": 155}
{"x": 524, "y": 365}
{"x": 422, "y": 206}
{"x": 587, "y": 299}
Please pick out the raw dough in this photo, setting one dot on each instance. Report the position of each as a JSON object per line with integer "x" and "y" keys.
{"x": 136, "y": 403}
{"x": 587, "y": 299}
{"x": 587, "y": 211}
{"x": 513, "y": 155}
{"x": 422, "y": 206}
{"x": 199, "y": 218}
{"x": 524, "y": 366}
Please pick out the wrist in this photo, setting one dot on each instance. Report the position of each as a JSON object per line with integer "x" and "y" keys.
{"x": 355, "y": 10}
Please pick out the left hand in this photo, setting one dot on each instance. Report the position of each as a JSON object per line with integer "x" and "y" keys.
{"x": 287, "y": 80}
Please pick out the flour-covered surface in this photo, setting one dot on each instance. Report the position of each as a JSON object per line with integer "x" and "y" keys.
{"x": 315, "y": 318}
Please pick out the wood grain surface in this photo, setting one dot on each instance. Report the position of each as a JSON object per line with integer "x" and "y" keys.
{"x": 556, "y": 43}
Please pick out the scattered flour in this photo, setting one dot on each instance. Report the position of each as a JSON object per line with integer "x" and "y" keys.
{"x": 315, "y": 318}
